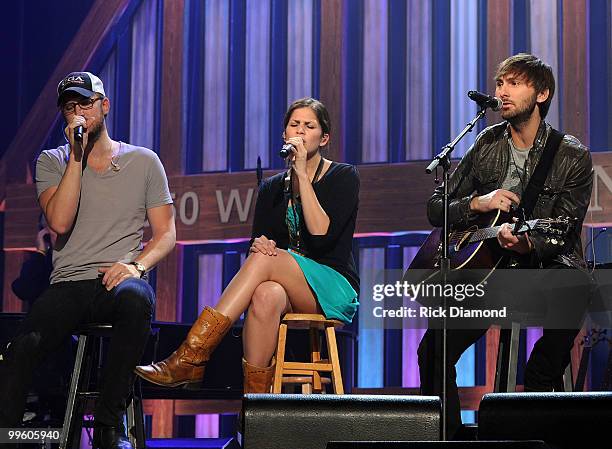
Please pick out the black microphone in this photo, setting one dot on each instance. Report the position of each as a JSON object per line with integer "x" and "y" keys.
{"x": 484, "y": 100}
{"x": 286, "y": 150}
{"x": 78, "y": 133}
{"x": 47, "y": 240}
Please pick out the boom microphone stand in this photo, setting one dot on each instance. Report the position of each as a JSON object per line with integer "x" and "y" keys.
{"x": 443, "y": 160}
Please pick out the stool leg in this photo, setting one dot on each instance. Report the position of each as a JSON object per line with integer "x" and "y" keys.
{"x": 135, "y": 418}
{"x": 332, "y": 349}
{"x": 567, "y": 384}
{"x": 280, "y": 359}
{"x": 502, "y": 362}
{"x": 507, "y": 359}
{"x": 70, "y": 419}
{"x": 130, "y": 419}
{"x": 514, "y": 349}
{"x": 315, "y": 356}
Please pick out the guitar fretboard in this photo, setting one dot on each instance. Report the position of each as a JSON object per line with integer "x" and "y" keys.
{"x": 489, "y": 233}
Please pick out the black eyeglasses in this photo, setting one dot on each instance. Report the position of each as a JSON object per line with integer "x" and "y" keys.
{"x": 85, "y": 103}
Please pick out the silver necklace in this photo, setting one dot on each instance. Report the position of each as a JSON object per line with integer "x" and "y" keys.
{"x": 115, "y": 158}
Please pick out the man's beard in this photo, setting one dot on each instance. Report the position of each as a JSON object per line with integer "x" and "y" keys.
{"x": 524, "y": 114}
{"x": 94, "y": 133}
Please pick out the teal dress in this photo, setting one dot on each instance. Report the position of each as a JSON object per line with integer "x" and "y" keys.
{"x": 337, "y": 298}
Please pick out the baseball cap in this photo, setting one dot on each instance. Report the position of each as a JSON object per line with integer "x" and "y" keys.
{"x": 83, "y": 83}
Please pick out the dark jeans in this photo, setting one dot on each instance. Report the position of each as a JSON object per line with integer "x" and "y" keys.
{"x": 60, "y": 311}
{"x": 549, "y": 357}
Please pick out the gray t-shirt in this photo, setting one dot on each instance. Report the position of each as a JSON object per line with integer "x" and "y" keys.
{"x": 110, "y": 220}
{"x": 516, "y": 170}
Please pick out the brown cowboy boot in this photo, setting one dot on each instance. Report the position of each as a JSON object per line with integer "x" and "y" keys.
{"x": 256, "y": 379}
{"x": 186, "y": 364}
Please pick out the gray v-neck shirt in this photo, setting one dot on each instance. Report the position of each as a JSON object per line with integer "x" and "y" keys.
{"x": 516, "y": 170}
{"x": 110, "y": 220}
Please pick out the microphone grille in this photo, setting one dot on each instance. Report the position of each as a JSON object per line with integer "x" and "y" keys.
{"x": 498, "y": 104}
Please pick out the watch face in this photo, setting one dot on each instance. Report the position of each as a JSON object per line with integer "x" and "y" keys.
{"x": 140, "y": 267}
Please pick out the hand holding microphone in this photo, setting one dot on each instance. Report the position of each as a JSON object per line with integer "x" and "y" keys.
{"x": 290, "y": 147}
{"x": 77, "y": 133}
{"x": 297, "y": 154}
{"x": 286, "y": 150}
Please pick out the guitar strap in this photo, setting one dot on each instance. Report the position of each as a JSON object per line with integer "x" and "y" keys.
{"x": 536, "y": 182}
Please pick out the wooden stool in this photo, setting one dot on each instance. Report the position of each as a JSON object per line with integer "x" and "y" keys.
{"x": 308, "y": 373}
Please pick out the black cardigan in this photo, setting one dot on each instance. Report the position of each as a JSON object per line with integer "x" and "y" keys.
{"x": 338, "y": 194}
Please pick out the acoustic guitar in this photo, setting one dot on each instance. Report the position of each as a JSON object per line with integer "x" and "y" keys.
{"x": 476, "y": 246}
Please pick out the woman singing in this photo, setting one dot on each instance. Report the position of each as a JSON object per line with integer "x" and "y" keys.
{"x": 300, "y": 259}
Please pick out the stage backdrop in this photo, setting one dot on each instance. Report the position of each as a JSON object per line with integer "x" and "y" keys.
{"x": 205, "y": 84}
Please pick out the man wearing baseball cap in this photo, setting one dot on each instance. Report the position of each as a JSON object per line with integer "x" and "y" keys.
{"x": 96, "y": 194}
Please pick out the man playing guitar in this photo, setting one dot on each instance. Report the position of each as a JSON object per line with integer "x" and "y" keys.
{"x": 493, "y": 176}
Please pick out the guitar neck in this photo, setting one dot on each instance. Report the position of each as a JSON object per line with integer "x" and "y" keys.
{"x": 489, "y": 233}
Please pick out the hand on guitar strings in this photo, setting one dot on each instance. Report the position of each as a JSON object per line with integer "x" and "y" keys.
{"x": 517, "y": 243}
{"x": 497, "y": 199}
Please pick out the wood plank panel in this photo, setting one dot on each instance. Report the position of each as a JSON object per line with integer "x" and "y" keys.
{"x": 575, "y": 70}
{"x": 576, "y": 355}
{"x": 600, "y": 209}
{"x": 171, "y": 145}
{"x": 492, "y": 348}
{"x": 13, "y": 260}
{"x": 464, "y": 29}
{"x": 169, "y": 288}
{"x": 299, "y": 55}
{"x": 257, "y": 82}
{"x": 21, "y": 216}
{"x": 544, "y": 33}
{"x": 498, "y": 43}
{"x": 221, "y": 205}
{"x": 190, "y": 407}
{"x": 142, "y": 90}
{"x": 374, "y": 111}
{"x": 419, "y": 78}
{"x": 164, "y": 418}
{"x": 331, "y": 66}
{"x": 216, "y": 85}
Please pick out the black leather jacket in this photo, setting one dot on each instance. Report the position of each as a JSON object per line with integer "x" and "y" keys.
{"x": 567, "y": 190}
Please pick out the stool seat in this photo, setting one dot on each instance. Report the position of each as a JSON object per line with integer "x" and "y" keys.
{"x": 95, "y": 330}
{"x": 309, "y": 373}
{"x": 309, "y": 321}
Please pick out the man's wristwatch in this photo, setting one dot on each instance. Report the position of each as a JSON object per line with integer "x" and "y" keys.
{"x": 140, "y": 267}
